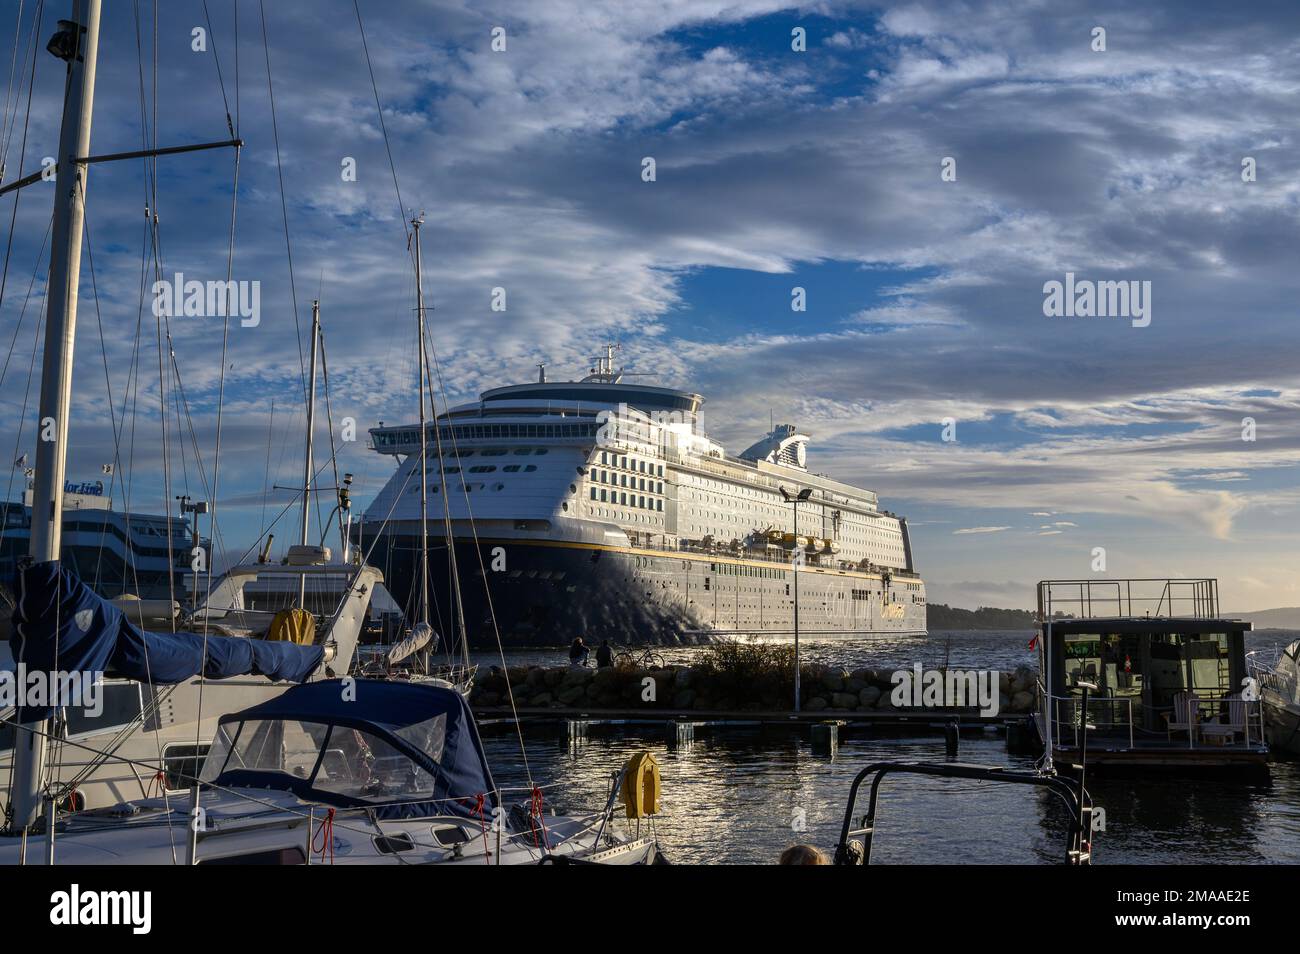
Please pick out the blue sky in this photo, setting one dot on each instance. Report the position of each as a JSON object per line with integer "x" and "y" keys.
{"x": 775, "y": 169}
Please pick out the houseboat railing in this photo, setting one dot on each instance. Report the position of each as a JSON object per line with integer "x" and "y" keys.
{"x": 1068, "y": 722}
{"x": 1072, "y": 722}
{"x": 1153, "y": 597}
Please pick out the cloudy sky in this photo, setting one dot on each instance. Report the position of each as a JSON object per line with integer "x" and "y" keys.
{"x": 774, "y": 169}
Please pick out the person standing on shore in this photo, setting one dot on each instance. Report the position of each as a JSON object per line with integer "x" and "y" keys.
{"x": 604, "y": 655}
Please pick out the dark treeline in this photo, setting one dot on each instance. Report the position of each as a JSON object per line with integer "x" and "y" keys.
{"x": 940, "y": 616}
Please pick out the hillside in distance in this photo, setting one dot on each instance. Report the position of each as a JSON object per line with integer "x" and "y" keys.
{"x": 939, "y": 616}
{"x": 1284, "y": 617}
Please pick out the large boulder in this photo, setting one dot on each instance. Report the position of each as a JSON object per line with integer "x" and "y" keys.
{"x": 1023, "y": 680}
{"x": 868, "y": 696}
{"x": 1022, "y": 702}
{"x": 553, "y": 677}
{"x": 541, "y": 699}
{"x": 571, "y": 694}
{"x": 578, "y": 676}
{"x": 884, "y": 678}
{"x": 833, "y": 679}
{"x": 815, "y": 704}
{"x": 844, "y": 700}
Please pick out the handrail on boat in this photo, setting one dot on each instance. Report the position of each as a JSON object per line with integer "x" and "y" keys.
{"x": 1160, "y": 597}
{"x": 1254, "y": 712}
{"x": 1079, "y": 804}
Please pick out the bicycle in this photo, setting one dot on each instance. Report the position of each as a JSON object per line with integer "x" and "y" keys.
{"x": 647, "y": 659}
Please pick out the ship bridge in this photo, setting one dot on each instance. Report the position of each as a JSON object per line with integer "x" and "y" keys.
{"x": 648, "y": 398}
{"x": 602, "y": 386}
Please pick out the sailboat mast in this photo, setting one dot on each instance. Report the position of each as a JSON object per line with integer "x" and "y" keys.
{"x": 80, "y": 49}
{"x": 308, "y": 464}
{"x": 423, "y": 612}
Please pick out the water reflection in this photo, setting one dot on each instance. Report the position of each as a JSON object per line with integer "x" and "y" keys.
{"x": 741, "y": 798}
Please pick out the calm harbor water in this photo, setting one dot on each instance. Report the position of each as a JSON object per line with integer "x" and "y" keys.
{"x": 739, "y": 797}
{"x": 966, "y": 649}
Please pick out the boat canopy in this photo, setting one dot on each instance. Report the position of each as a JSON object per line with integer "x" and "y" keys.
{"x": 403, "y": 750}
{"x": 62, "y": 626}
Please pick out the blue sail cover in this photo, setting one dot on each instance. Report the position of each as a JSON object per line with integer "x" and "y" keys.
{"x": 61, "y": 625}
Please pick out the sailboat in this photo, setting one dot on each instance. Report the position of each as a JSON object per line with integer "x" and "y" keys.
{"x": 384, "y": 752}
{"x": 410, "y": 658}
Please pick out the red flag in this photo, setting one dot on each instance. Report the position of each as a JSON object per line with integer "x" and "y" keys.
{"x": 1033, "y": 642}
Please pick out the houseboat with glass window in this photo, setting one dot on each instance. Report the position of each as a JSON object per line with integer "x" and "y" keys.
{"x": 600, "y": 508}
{"x": 1167, "y": 679}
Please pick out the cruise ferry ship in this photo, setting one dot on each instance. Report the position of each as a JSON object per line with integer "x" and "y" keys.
{"x": 114, "y": 553}
{"x": 600, "y": 508}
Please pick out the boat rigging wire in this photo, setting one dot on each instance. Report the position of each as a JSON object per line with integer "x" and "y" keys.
{"x": 22, "y": 149}
{"x": 284, "y": 207}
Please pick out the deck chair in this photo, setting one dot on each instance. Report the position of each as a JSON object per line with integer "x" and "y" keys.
{"x": 1185, "y": 716}
{"x": 1234, "y": 724}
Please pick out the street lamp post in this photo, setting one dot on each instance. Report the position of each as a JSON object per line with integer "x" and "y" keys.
{"x": 794, "y": 500}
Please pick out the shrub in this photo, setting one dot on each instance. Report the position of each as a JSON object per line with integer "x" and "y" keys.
{"x": 747, "y": 666}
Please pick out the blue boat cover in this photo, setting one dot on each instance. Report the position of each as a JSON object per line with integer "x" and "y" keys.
{"x": 61, "y": 625}
{"x": 455, "y": 758}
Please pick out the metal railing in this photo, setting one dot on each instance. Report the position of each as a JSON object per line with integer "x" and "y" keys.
{"x": 1065, "y": 719}
{"x": 1261, "y": 665}
{"x": 1156, "y": 597}
{"x": 1059, "y": 724}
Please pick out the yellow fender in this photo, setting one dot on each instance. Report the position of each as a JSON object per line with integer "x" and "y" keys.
{"x": 641, "y": 785}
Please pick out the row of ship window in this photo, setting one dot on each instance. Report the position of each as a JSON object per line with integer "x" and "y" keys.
{"x": 485, "y": 432}
{"x": 640, "y": 466}
{"x": 634, "y": 482}
{"x": 626, "y": 500}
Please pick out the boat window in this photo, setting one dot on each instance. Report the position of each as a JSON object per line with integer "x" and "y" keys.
{"x": 286, "y": 746}
{"x": 524, "y": 451}
{"x": 428, "y": 736}
{"x": 120, "y": 707}
{"x": 530, "y": 468}
{"x": 510, "y": 468}
{"x": 491, "y": 453}
{"x": 450, "y": 835}
{"x": 362, "y": 765}
{"x": 482, "y": 469}
{"x": 540, "y": 451}
{"x": 391, "y": 844}
{"x": 344, "y": 761}
{"x": 181, "y": 764}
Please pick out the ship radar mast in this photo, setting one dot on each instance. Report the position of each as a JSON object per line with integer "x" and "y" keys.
{"x": 604, "y": 370}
